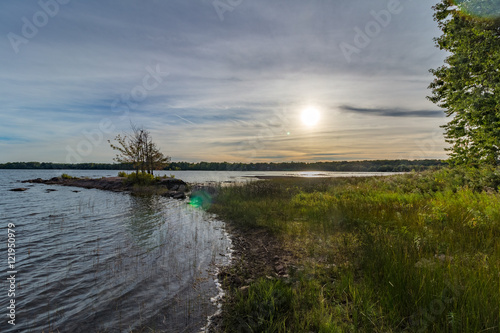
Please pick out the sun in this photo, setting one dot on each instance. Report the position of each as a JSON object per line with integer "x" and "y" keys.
{"x": 310, "y": 116}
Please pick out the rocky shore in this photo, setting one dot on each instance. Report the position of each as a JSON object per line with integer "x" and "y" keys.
{"x": 169, "y": 187}
{"x": 256, "y": 254}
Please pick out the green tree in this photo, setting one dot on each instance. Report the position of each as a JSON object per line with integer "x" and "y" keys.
{"x": 479, "y": 8}
{"x": 468, "y": 85}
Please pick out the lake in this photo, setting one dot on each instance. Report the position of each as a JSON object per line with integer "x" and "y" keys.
{"x": 88, "y": 260}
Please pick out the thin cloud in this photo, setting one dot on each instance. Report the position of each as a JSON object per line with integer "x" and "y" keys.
{"x": 232, "y": 83}
{"x": 394, "y": 112}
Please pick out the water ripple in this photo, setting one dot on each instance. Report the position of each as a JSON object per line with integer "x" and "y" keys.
{"x": 102, "y": 261}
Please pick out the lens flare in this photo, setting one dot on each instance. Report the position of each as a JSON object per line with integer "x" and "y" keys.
{"x": 200, "y": 199}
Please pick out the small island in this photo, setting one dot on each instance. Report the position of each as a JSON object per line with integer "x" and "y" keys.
{"x": 139, "y": 151}
{"x": 133, "y": 183}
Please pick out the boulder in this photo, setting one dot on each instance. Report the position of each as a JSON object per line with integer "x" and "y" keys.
{"x": 179, "y": 195}
{"x": 19, "y": 189}
{"x": 173, "y": 184}
{"x": 38, "y": 180}
{"x": 175, "y": 195}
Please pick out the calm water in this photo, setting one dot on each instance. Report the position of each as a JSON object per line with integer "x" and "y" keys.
{"x": 94, "y": 260}
{"x": 98, "y": 261}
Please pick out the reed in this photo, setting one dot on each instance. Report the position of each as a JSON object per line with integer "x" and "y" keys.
{"x": 407, "y": 253}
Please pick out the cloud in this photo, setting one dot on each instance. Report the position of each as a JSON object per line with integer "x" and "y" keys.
{"x": 228, "y": 79}
{"x": 396, "y": 112}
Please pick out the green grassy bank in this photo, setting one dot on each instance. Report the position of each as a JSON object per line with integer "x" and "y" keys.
{"x": 411, "y": 253}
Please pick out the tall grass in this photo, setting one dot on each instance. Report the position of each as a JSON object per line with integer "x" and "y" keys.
{"x": 410, "y": 253}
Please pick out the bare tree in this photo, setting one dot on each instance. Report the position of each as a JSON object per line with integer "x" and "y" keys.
{"x": 153, "y": 157}
{"x": 139, "y": 150}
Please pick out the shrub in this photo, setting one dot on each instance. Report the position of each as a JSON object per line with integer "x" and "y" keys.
{"x": 66, "y": 176}
{"x": 141, "y": 178}
{"x": 122, "y": 174}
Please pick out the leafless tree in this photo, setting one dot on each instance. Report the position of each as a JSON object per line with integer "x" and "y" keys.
{"x": 139, "y": 150}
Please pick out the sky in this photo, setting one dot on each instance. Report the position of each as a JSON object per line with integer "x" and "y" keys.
{"x": 219, "y": 80}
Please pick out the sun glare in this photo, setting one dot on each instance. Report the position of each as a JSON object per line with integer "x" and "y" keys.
{"x": 310, "y": 116}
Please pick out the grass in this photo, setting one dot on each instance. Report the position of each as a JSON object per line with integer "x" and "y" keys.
{"x": 143, "y": 184}
{"x": 141, "y": 178}
{"x": 408, "y": 253}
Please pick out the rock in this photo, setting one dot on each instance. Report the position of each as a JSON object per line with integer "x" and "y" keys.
{"x": 37, "y": 180}
{"x": 179, "y": 195}
{"x": 50, "y": 190}
{"x": 425, "y": 263}
{"x": 116, "y": 184}
{"x": 175, "y": 195}
{"x": 173, "y": 184}
{"x": 19, "y": 189}
{"x": 489, "y": 190}
{"x": 443, "y": 257}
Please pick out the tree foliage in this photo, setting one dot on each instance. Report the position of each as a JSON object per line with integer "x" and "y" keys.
{"x": 139, "y": 150}
{"x": 468, "y": 85}
{"x": 480, "y": 8}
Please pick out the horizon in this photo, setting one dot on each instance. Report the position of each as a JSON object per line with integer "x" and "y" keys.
{"x": 221, "y": 162}
{"x": 229, "y": 81}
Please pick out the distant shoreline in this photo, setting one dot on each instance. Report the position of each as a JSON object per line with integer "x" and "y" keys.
{"x": 349, "y": 174}
{"x": 332, "y": 166}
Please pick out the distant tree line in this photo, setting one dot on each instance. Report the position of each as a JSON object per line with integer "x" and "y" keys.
{"x": 355, "y": 166}
{"x": 359, "y": 166}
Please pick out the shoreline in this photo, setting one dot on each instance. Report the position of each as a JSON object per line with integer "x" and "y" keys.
{"x": 351, "y": 244}
{"x": 256, "y": 253}
{"x": 169, "y": 187}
